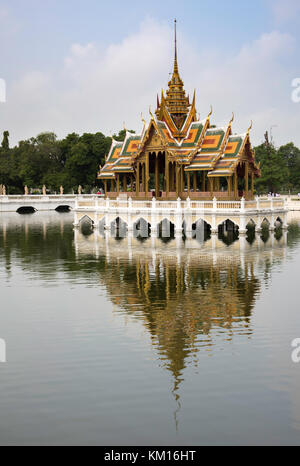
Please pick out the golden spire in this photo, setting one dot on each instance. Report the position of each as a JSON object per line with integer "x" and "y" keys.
{"x": 175, "y": 58}
{"x": 176, "y": 100}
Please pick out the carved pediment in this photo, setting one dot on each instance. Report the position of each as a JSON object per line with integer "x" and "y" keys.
{"x": 154, "y": 140}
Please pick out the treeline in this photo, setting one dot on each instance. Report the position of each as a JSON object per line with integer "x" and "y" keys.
{"x": 45, "y": 160}
{"x": 74, "y": 160}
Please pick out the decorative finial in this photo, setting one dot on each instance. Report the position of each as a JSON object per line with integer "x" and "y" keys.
{"x": 232, "y": 118}
{"x": 143, "y": 120}
{"x": 175, "y": 58}
{"x": 151, "y": 112}
{"x": 210, "y": 113}
{"x": 250, "y": 127}
{"x": 124, "y": 127}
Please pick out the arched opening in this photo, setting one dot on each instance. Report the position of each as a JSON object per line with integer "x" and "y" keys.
{"x": 228, "y": 232}
{"x": 63, "y": 208}
{"x": 166, "y": 229}
{"x": 250, "y": 237}
{"x": 201, "y": 230}
{"x": 265, "y": 224}
{"x": 86, "y": 225}
{"x": 118, "y": 228}
{"x": 141, "y": 228}
{"x": 26, "y": 210}
{"x": 278, "y": 222}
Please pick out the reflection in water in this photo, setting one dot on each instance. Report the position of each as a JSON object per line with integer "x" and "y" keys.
{"x": 187, "y": 295}
{"x": 191, "y": 296}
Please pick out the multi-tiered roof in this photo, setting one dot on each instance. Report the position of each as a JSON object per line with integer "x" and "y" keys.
{"x": 187, "y": 140}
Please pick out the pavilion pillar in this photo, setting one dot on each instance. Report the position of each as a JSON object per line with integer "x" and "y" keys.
{"x": 143, "y": 177}
{"x": 156, "y": 177}
{"x": 131, "y": 183}
{"x": 182, "y": 179}
{"x": 218, "y": 184}
{"x": 147, "y": 175}
{"x": 118, "y": 184}
{"x": 125, "y": 183}
{"x": 247, "y": 179}
{"x": 211, "y": 186}
{"x": 177, "y": 180}
{"x": 188, "y": 183}
{"x": 173, "y": 175}
{"x": 235, "y": 185}
{"x": 203, "y": 181}
{"x": 137, "y": 182}
{"x": 252, "y": 184}
{"x": 167, "y": 175}
{"x": 105, "y": 187}
{"x": 194, "y": 181}
{"x": 229, "y": 181}
{"x": 112, "y": 188}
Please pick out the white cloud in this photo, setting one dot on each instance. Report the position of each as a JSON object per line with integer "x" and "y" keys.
{"x": 98, "y": 88}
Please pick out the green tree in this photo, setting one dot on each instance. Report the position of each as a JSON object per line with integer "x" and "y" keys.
{"x": 274, "y": 172}
{"x": 291, "y": 155}
{"x": 5, "y": 141}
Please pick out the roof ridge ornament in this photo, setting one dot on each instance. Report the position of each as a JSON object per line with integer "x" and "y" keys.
{"x": 152, "y": 117}
{"x": 250, "y": 127}
{"x": 232, "y": 118}
{"x": 210, "y": 113}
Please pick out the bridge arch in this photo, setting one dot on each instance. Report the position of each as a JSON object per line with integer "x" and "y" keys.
{"x": 63, "y": 208}
{"x": 229, "y": 225}
{"x": 86, "y": 219}
{"x": 165, "y": 228}
{"x": 26, "y": 210}
{"x": 141, "y": 227}
{"x": 118, "y": 227}
{"x": 265, "y": 223}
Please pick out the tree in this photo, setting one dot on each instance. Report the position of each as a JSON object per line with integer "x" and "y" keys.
{"x": 291, "y": 155}
{"x": 274, "y": 172}
{"x": 5, "y": 141}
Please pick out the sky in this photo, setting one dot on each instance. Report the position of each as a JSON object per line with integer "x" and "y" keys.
{"x": 88, "y": 66}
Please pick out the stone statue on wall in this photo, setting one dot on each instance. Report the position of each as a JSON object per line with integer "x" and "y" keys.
{"x": 26, "y": 190}
{"x": 44, "y": 190}
{"x": 3, "y": 190}
{"x": 61, "y": 190}
{"x": 79, "y": 189}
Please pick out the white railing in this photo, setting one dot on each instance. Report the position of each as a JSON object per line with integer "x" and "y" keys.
{"x": 258, "y": 204}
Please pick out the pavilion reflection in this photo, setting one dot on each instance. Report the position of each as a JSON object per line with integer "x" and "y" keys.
{"x": 186, "y": 294}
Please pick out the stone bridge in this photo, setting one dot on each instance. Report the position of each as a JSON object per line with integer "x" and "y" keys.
{"x": 38, "y": 202}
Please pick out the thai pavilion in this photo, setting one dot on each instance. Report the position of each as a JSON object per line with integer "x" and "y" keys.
{"x": 178, "y": 155}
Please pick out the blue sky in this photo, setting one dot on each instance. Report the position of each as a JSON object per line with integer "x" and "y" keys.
{"x": 92, "y": 65}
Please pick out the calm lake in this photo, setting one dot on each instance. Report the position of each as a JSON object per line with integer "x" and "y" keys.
{"x": 146, "y": 341}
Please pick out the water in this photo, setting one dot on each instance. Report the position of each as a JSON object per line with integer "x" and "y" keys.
{"x": 143, "y": 342}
